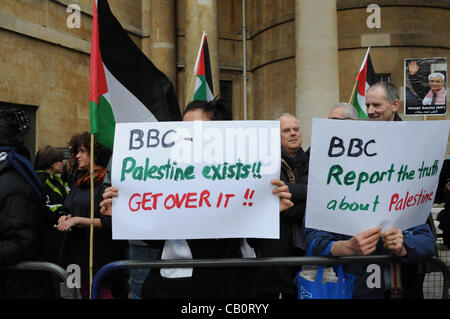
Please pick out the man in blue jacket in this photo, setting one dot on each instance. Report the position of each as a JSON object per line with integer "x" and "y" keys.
{"x": 409, "y": 246}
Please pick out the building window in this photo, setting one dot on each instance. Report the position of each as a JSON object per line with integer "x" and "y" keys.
{"x": 226, "y": 91}
{"x": 65, "y": 151}
{"x": 384, "y": 77}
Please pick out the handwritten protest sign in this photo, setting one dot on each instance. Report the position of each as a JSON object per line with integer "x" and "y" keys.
{"x": 368, "y": 173}
{"x": 191, "y": 180}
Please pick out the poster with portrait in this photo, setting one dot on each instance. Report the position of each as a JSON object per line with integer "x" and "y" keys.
{"x": 425, "y": 89}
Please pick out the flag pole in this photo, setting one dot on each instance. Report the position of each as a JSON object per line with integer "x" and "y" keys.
{"x": 356, "y": 81}
{"x": 189, "y": 91}
{"x": 91, "y": 240}
{"x": 196, "y": 65}
{"x": 244, "y": 58}
{"x": 353, "y": 93}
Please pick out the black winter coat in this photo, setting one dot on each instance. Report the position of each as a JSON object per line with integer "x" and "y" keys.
{"x": 57, "y": 194}
{"x": 22, "y": 231}
{"x": 75, "y": 245}
{"x": 443, "y": 196}
{"x": 206, "y": 282}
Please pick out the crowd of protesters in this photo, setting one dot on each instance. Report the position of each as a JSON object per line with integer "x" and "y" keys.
{"x": 45, "y": 216}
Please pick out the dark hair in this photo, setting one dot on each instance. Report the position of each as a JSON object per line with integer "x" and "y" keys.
{"x": 101, "y": 153}
{"x": 73, "y": 145}
{"x": 216, "y": 109}
{"x": 13, "y": 125}
{"x": 390, "y": 91}
{"x": 46, "y": 156}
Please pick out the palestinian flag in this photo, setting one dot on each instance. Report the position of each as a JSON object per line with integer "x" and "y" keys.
{"x": 202, "y": 71}
{"x": 125, "y": 86}
{"x": 365, "y": 78}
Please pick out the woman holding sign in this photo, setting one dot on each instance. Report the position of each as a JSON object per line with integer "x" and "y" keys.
{"x": 201, "y": 282}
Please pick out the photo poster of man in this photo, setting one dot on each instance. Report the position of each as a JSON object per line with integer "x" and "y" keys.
{"x": 425, "y": 89}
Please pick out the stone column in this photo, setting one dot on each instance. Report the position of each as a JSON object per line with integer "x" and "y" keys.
{"x": 200, "y": 15}
{"x": 161, "y": 45}
{"x": 316, "y": 62}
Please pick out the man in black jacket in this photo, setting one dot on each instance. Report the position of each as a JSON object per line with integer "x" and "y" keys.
{"x": 22, "y": 218}
{"x": 277, "y": 282}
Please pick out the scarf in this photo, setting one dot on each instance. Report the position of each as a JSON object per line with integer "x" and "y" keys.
{"x": 294, "y": 164}
{"x": 179, "y": 249}
{"x": 85, "y": 177}
{"x": 23, "y": 166}
{"x": 176, "y": 249}
{"x": 439, "y": 98}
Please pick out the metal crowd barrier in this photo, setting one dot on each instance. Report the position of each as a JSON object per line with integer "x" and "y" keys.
{"x": 435, "y": 262}
{"x": 40, "y": 265}
{"x": 45, "y": 266}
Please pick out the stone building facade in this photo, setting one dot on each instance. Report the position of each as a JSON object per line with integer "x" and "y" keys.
{"x": 302, "y": 56}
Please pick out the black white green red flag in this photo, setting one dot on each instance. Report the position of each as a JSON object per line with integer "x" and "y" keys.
{"x": 365, "y": 78}
{"x": 203, "y": 79}
{"x": 125, "y": 86}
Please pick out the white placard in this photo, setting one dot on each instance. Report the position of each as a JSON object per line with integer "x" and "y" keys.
{"x": 192, "y": 180}
{"x": 364, "y": 174}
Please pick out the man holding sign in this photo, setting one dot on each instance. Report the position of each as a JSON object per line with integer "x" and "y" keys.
{"x": 276, "y": 282}
{"x": 379, "y": 217}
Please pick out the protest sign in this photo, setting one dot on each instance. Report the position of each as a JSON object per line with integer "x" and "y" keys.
{"x": 364, "y": 174}
{"x": 425, "y": 89}
{"x": 191, "y": 180}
